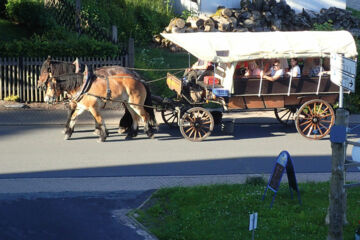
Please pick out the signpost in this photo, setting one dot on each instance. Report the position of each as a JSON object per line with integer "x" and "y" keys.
{"x": 283, "y": 162}
{"x": 343, "y": 71}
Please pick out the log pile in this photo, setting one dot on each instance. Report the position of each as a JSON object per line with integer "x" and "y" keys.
{"x": 260, "y": 16}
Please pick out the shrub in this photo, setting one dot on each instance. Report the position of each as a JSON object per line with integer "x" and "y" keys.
{"x": 30, "y": 13}
{"x": 58, "y": 43}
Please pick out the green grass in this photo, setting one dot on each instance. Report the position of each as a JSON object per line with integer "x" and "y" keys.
{"x": 157, "y": 59}
{"x": 11, "y": 31}
{"x": 222, "y": 212}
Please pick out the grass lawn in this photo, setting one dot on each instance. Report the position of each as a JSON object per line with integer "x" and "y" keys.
{"x": 10, "y": 31}
{"x": 222, "y": 212}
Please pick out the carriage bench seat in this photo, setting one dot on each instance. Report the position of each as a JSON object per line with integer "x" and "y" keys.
{"x": 299, "y": 86}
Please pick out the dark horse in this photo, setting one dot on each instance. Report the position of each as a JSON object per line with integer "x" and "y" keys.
{"x": 87, "y": 91}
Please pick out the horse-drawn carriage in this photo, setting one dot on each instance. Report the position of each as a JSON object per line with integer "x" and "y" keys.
{"x": 307, "y": 99}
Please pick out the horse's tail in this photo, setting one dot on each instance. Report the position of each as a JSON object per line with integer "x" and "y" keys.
{"x": 148, "y": 106}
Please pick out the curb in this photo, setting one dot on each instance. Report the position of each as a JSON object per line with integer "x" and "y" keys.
{"x": 55, "y": 186}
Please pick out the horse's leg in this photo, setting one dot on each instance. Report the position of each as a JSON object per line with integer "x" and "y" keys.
{"x": 140, "y": 111}
{"x": 125, "y": 121}
{"x": 133, "y": 130}
{"x": 70, "y": 113}
{"x": 70, "y": 128}
{"x": 100, "y": 122}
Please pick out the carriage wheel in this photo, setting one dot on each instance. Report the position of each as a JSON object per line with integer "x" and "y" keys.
{"x": 286, "y": 116}
{"x": 314, "y": 119}
{"x": 196, "y": 124}
{"x": 170, "y": 117}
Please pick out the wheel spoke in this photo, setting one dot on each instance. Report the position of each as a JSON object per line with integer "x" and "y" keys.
{"x": 320, "y": 107}
{"x": 323, "y": 126}
{"x": 324, "y": 116}
{"x": 321, "y": 132}
{"x": 310, "y": 130}
{"x": 189, "y": 129}
{"x": 309, "y": 125}
{"x": 309, "y": 121}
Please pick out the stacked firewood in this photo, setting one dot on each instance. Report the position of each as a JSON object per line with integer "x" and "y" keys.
{"x": 223, "y": 20}
{"x": 260, "y": 16}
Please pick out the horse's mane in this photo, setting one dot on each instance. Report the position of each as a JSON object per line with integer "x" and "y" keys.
{"x": 57, "y": 68}
{"x": 68, "y": 82}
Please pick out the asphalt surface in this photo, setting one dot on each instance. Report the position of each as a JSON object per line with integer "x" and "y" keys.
{"x": 88, "y": 207}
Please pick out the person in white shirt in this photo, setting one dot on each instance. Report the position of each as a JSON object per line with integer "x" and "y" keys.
{"x": 274, "y": 73}
{"x": 295, "y": 69}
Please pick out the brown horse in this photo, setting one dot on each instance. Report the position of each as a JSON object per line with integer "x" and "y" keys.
{"x": 56, "y": 68}
{"x": 88, "y": 91}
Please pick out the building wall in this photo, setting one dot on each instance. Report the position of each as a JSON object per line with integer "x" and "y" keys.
{"x": 315, "y": 5}
{"x": 209, "y": 6}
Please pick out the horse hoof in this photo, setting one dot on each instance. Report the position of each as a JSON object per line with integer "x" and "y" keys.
{"x": 122, "y": 130}
{"x": 150, "y": 135}
{"x": 128, "y": 137}
{"x": 96, "y": 132}
{"x": 100, "y": 140}
{"x": 67, "y": 137}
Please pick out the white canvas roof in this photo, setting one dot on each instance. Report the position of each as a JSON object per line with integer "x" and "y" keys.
{"x": 240, "y": 46}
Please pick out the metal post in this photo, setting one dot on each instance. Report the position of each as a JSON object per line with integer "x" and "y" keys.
{"x": 341, "y": 97}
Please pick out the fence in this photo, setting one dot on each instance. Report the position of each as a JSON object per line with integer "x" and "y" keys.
{"x": 19, "y": 76}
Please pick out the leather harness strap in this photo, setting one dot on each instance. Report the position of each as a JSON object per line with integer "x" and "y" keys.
{"x": 108, "y": 90}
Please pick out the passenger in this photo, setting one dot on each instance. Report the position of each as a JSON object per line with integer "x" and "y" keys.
{"x": 308, "y": 63}
{"x": 253, "y": 69}
{"x": 295, "y": 69}
{"x": 275, "y": 72}
{"x": 317, "y": 69}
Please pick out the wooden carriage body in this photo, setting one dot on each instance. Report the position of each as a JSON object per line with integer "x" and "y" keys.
{"x": 309, "y": 98}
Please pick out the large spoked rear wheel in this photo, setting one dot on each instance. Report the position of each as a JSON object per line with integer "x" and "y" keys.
{"x": 286, "y": 116}
{"x": 314, "y": 119}
{"x": 196, "y": 124}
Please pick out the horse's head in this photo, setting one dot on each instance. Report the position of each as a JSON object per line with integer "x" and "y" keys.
{"x": 70, "y": 84}
{"x": 52, "y": 91}
{"x": 45, "y": 73}
{"x": 53, "y": 68}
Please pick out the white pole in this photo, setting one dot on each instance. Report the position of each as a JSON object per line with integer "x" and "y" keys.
{"x": 341, "y": 97}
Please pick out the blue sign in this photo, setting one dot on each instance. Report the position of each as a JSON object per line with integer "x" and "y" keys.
{"x": 283, "y": 162}
{"x": 338, "y": 134}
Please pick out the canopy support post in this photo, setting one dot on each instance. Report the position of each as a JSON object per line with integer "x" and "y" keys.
{"x": 290, "y": 84}
{"x": 320, "y": 74}
{"x": 261, "y": 78}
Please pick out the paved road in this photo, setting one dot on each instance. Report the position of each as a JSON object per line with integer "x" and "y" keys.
{"x": 38, "y": 151}
{"x": 119, "y": 174}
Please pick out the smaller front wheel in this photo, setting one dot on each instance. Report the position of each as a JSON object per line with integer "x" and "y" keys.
{"x": 196, "y": 124}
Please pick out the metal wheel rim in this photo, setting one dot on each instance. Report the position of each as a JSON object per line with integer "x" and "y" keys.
{"x": 315, "y": 119}
{"x": 170, "y": 117}
{"x": 196, "y": 124}
{"x": 286, "y": 116}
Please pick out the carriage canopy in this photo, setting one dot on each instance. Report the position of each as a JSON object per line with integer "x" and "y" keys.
{"x": 241, "y": 46}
